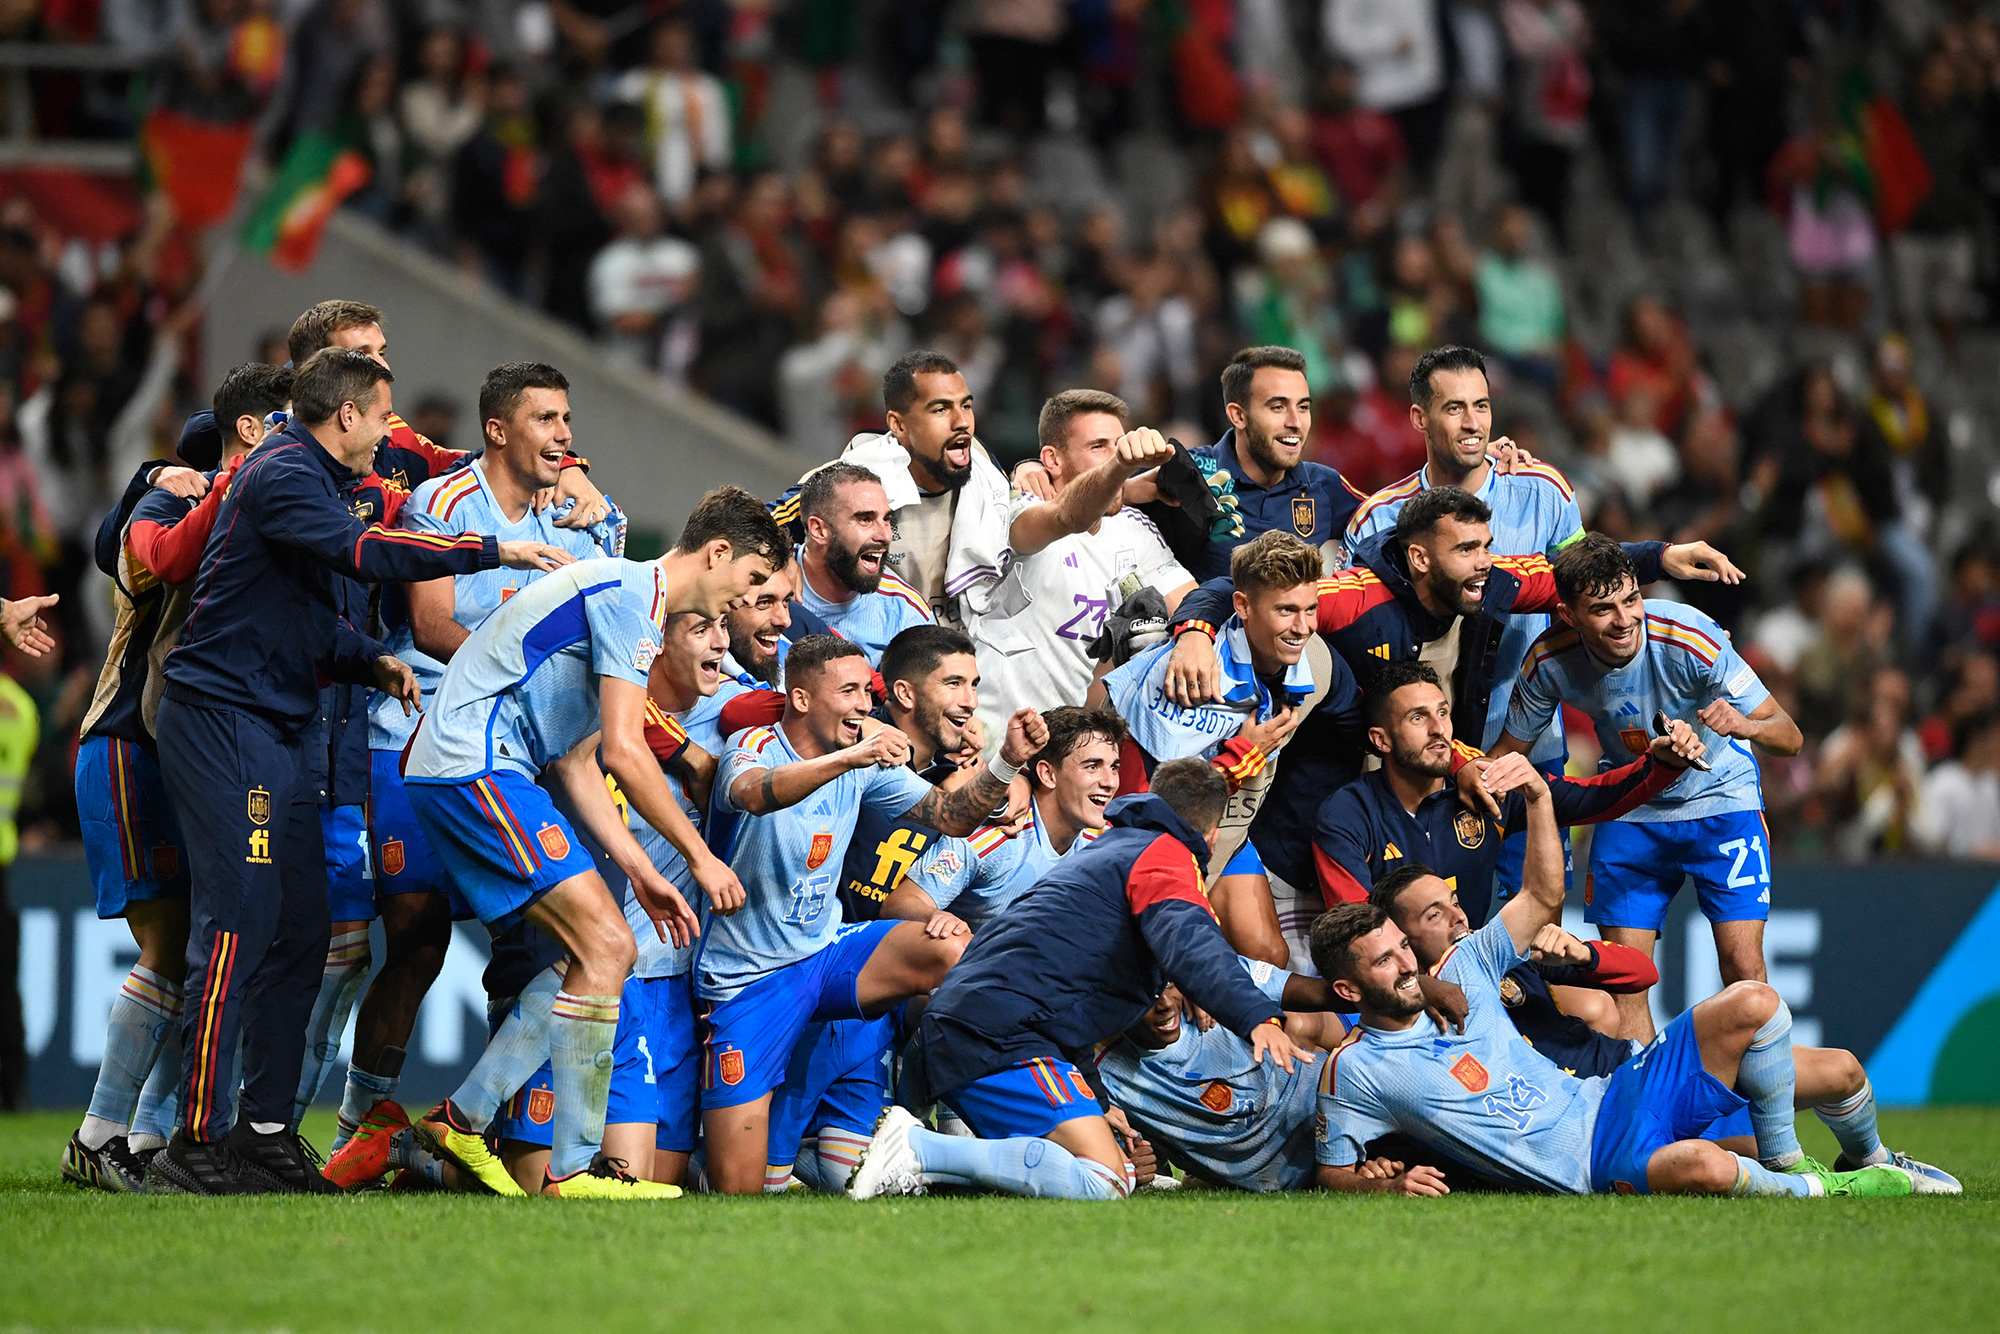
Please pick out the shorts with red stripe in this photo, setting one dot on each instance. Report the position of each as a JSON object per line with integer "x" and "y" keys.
{"x": 131, "y": 838}
{"x": 1024, "y": 1101}
{"x": 501, "y": 839}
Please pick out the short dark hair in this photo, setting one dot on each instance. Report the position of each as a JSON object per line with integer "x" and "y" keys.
{"x": 1274, "y": 559}
{"x": 739, "y": 518}
{"x": 1591, "y": 566}
{"x": 1195, "y": 789}
{"x": 1243, "y": 368}
{"x": 506, "y": 384}
{"x": 333, "y": 376}
{"x": 1334, "y": 933}
{"x": 1421, "y": 512}
{"x": 1070, "y": 726}
{"x": 1390, "y": 679}
{"x": 254, "y": 389}
{"x": 1450, "y": 357}
{"x": 1066, "y": 407}
{"x": 1970, "y": 729}
{"x": 1390, "y": 886}
{"x": 315, "y": 328}
{"x": 899, "y": 382}
{"x": 916, "y": 652}
{"x": 811, "y": 655}
{"x": 822, "y": 484}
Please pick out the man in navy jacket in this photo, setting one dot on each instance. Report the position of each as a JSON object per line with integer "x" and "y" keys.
{"x": 242, "y": 687}
{"x": 1075, "y": 961}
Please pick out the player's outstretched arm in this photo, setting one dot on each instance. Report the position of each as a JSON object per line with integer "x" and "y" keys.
{"x": 632, "y": 762}
{"x": 22, "y": 623}
{"x": 762, "y": 791}
{"x": 1543, "y": 887}
{"x": 583, "y": 782}
{"x": 1084, "y": 501}
{"x": 963, "y": 809}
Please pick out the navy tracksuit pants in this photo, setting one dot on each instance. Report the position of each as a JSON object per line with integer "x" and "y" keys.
{"x": 258, "y": 930}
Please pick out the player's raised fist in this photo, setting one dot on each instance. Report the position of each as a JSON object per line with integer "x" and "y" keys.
{"x": 1682, "y": 744}
{"x": 1552, "y": 944}
{"x": 534, "y": 556}
{"x": 885, "y": 747}
{"x": 1026, "y": 735}
{"x": 1143, "y": 448}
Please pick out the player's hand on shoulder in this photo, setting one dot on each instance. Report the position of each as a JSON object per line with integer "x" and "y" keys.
{"x": 944, "y": 925}
{"x": 394, "y": 678}
{"x": 1699, "y": 560}
{"x": 534, "y": 556}
{"x": 1032, "y": 479}
{"x": 1552, "y": 944}
{"x": 183, "y": 482}
{"x": 1445, "y": 1002}
{"x": 1271, "y": 1040}
{"x": 590, "y": 507}
{"x": 1507, "y": 456}
{"x": 1682, "y": 744}
{"x": 1026, "y": 735}
{"x": 1193, "y": 673}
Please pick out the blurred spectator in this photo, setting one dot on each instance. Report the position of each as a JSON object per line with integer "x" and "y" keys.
{"x": 1818, "y": 189}
{"x": 1656, "y": 355}
{"x": 20, "y": 733}
{"x": 1702, "y": 505}
{"x": 1654, "y": 44}
{"x": 332, "y": 41}
{"x": 1397, "y": 48}
{"x": 750, "y": 299}
{"x": 583, "y": 185}
{"x": 832, "y": 386}
{"x": 1550, "y": 100}
{"x": 1361, "y": 425}
{"x": 1520, "y": 302}
{"x": 639, "y": 281}
{"x": 1239, "y": 203}
{"x": 961, "y": 334}
{"x": 1972, "y": 688}
{"x": 1960, "y": 803}
{"x": 1781, "y": 635}
{"x": 1014, "y": 45}
{"x": 1297, "y": 181}
{"x": 1287, "y": 301}
{"x": 434, "y": 417}
{"x": 1973, "y": 616}
{"x": 1149, "y": 328}
{"x": 442, "y": 108}
{"x": 494, "y": 185}
{"x": 1750, "y": 46}
{"x": 1870, "y": 774}
{"x": 1833, "y": 671}
{"x": 687, "y": 112}
{"x": 1935, "y": 256}
{"x": 1640, "y": 460}
{"x": 1900, "y": 415}
{"x": 369, "y": 124}
{"x": 1361, "y": 148}
{"x": 271, "y": 348}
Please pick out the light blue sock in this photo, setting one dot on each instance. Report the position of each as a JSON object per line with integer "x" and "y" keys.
{"x": 513, "y": 1054}
{"x": 1038, "y": 1168}
{"x": 1753, "y": 1178}
{"x": 144, "y": 1009}
{"x": 1852, "y": 1122}
{"x": 153, "y": 1123}
{"x": 582, "y": 1032}
{"x": 340, "y": 983}
{"x": 1767, "y": 1078}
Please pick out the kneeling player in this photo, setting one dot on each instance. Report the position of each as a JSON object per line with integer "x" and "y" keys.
{"x": 1486, "y": 1098}
{"x": 1076, "y": 961}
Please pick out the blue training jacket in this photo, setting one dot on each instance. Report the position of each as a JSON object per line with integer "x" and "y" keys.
{"x": 1082, "y": 956}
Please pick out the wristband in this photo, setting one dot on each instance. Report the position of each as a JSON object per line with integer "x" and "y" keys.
{"x": 1202, "y": 627}
{"x": 1000, "y": 769}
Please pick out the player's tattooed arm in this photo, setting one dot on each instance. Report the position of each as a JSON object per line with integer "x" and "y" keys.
{"x": 764, "y": 791}
{"x": 964, "y": 808}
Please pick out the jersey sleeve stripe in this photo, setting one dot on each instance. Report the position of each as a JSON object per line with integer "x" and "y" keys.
{"x": 1680, "y": 637}
{"x": 1333, "y": 1060}
{"x": 896, "y": 588}
{"x": 1387, "y": 495}
{"x": 985, "y": 840}
{"x": 1523, "y": 566}
{"x": 1548, "y": 474}
{"x": 445, "y": 499}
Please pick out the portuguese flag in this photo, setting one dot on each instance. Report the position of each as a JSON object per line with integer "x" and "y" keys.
{"x": 318, "y": 173}
{"x": 1881, "y": 154}
{"x": 198, "y": 163}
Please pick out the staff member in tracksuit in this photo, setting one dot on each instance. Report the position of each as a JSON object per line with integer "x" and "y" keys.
{"x": 242, "y": 686}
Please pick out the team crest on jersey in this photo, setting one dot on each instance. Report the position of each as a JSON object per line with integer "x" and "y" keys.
{"x": 364, "y": 509}
{"x": 729, "y": 1067}
{"x": 1218, "y": 1097}
{"x": 392, "y": 857}
{"x": 553, "y": 841}
{"x": 398, "y": 479}
{"x": 1468, "y": 1071}
{"x": 822, "y": 848}
{"x": 1305, "y": 516}
{"x": 166, "y": 861}
{"x": 1512, "y": 993}
{"x": 1635, "y": 740}
{"x": 260, "y": 806}
{"x": 1470, "y": 828}
{"x": 541, "y": 1106}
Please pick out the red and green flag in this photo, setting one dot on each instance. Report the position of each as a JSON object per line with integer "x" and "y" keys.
{"x": 1881, "y": 155}
{"x": 319, "y": 172}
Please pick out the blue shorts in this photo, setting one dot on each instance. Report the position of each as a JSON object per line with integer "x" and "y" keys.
{"x": 404, "y": 862}
{"x": 1659, "y": 1097}
{"x": 654, "y": 1014}
{"x": 350, "y": 875}
{"x": 1636, "y": 869}
{"x": 1246, "y": 861}
{"x": 1024, "y": 1101}
{"x": 131, "y": 837}
{"x": 747, "y": 1040}
{"x": 839, "y": 1077}
{"x": 502, "y": 842}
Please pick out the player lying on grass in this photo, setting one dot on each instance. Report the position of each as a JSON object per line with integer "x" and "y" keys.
{"x": 1487, "y": 1099}
{"x": 786, "y": 805}
{"x": 1077, "y": 960}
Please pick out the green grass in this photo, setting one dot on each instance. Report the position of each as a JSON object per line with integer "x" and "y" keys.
{"x": 1161, "y": 1264}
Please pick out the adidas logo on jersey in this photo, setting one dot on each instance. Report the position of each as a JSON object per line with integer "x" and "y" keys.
{"x": 1628, "y": 710}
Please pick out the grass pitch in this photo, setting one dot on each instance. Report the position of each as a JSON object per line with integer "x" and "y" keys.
{"x": 1161, "y": 1263}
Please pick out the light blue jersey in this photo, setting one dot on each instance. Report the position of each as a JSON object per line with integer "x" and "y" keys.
{"x": 1218, "y": 1109}
{"x": 1485, "y": 1097}
{"x": 868, "y": 619}
{"x": 979, "y": 877}
{"x": 789, "y": 862}
{"x": 462, "y": 502}
{"x": 1534, "y": 514}
{"x": 1166, "y": 731}
{"x": 522, "y": 691}
{"x": 1685, "y": 664}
